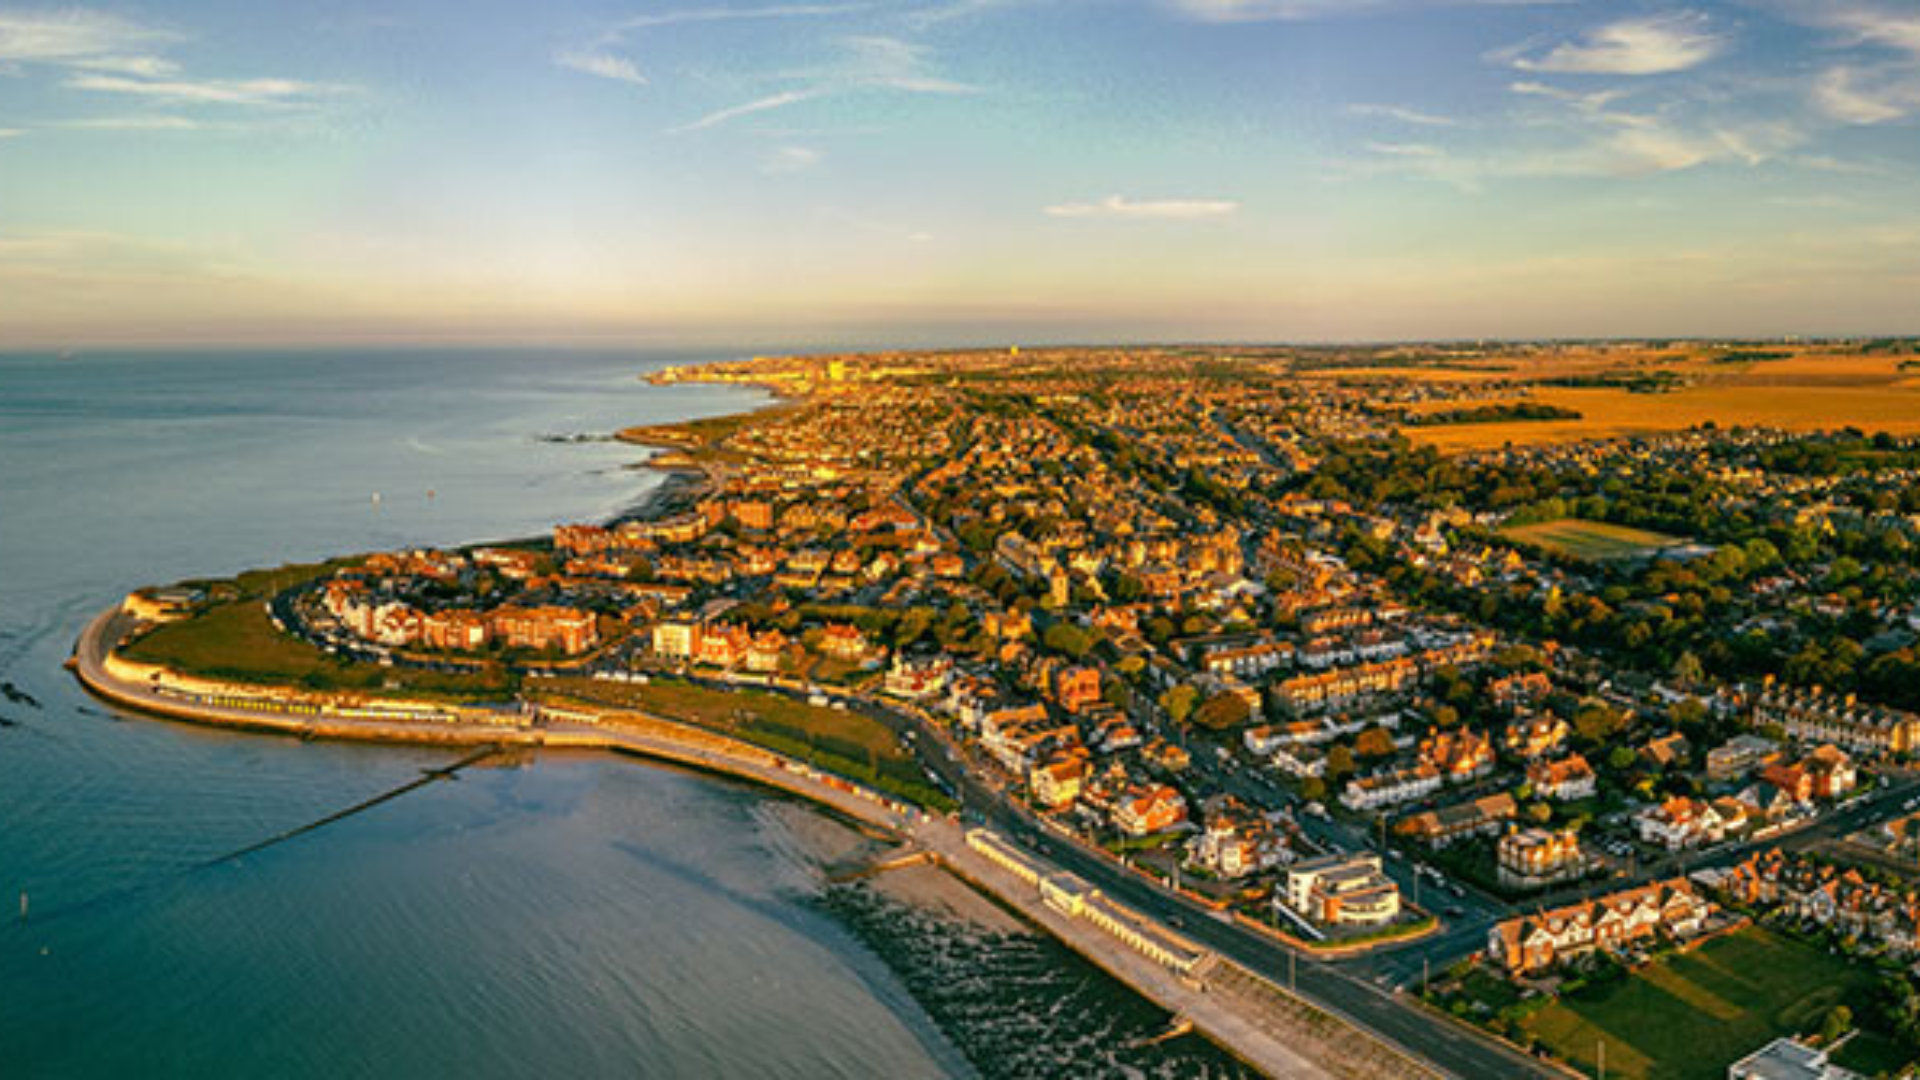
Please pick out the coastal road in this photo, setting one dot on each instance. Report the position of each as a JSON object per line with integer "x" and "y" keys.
{"x": 1396, "y": 1018}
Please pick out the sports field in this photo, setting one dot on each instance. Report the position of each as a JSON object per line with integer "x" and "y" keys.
{"x": 1590, "y": 541}
{"x": 1689, "y": 1017}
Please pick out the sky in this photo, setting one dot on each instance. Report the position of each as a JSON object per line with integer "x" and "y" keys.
{"x": 922, "y": 172}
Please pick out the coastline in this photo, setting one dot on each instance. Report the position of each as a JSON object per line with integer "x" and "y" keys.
{"x": 1266, "y": 1042}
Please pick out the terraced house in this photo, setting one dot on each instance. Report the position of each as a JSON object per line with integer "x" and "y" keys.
{"x": 1542, "y": 941}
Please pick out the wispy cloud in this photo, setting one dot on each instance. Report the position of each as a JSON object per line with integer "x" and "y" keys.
{"x": 254, "y": 92}
{"x": 1654, "y": 45}
{"x": 12, "y": 133}
{"x": 103, "y": 53}
{"x": 1117, "y": 206}
{"x": 73, "y": 35}
{"x": 867, "y": 63}
{"x": 758, "y": 105}
{"x": 782, "y": 160}
{"x": 1266, "y": 10}
{"x": 140, "y": 122}
{"x": 1868, "y": 88}
{"x": 1867, "y": 96}
{"x": 1403, "y": 115}
{"x": 731, "y": 14}
{"x": 602, "y": 64}
{"x": 1413, "y": 150}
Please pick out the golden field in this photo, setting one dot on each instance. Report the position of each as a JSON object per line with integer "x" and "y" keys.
{"x": 1817, "y": 390}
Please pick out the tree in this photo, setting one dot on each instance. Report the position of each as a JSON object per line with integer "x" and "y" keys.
{"x": 1687, "y": 670}
{"x": 1178, "y": 702}
{"x": 1222, "y": 712}
{"x": 1375, "y": 742}
{"x": 1313, "y": 789}
{"x": 1339, "y": 762}
{"x": 1622, "y": 758}
{"x": 1540, "y": 812}
{"x": 1068, "y": 639}
{"x": 1839, "y": 1021}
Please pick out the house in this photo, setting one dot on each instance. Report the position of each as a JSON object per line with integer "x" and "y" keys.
{"x": 1565, "y": 780}
{"x": 1341, "y": 890}
{"x": 918, "y": 678}
{"x": 1077, "y": 688}
{"x": 1149, "y": 809}
{"x": 1535, "y": 736}
{"x": 1679, "y": 823}
{"x": 725, "y": 646}
{"x": 843, "y": 642}
{"x": 1739, "y": 756}
{"x": 1532, "y": 857}
{"x": 1541, "y": 941}
{"x": 765, "y": 651}
{"x": 1815, "y": 716}
{"x": 1234, "y": 841}
{"x": 1367, "y": 793}
{"x": 1832, "y": 772}
{"x": 1058, "y": 783}
{"x": 1517, "y": 691}
{"x": 1477, "y": 817}
{"x": 1459, "y": 756}
{"x": 1667, "y": 751}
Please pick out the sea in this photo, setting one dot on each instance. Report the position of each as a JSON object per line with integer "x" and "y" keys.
{"x": 550, "y": 916}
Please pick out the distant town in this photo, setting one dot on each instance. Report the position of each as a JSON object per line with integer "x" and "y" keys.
{"x": 1590, "y": 744}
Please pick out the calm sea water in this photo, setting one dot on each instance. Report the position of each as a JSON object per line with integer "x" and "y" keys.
{"x": 562, "y": 916}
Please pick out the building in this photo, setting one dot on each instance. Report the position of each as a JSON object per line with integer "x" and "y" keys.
{"x": 919, "y": 678}
{"x": 1539, "y": 942}
{"x": 1679, "y": 823}
{"x": 1058, "y": 783}
{"x": 1565, "y": 780}
{"x": 1535, "y": 736}
{"x": 676, "y": 639}
{"x": 1146, "y": 810}
{"x": 1840, "y": 898}
{"x": 545, "y": 628}
{"x": 1235, "y": 841}
{"x": 1815, "y": 716}
{"x": 1484, "y": 816}
{"x": 1077, "y": 688}
{"x": 1532, "y": 857}
{"x": 1785, "y": 1059}
{"x": 1341, "y": 890}
{"x": 1739, "y": 756}
{"x": 844, "y": 642}
{"x": 1459, "y": 756}
{"x": 1390, "y": 789}
{"x": 456, "y": 629}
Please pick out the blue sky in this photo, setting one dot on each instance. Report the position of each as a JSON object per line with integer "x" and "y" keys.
{"x": 958, "y": 170}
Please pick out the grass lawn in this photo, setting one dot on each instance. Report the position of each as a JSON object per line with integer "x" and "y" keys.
{"x": 1590, "y": 541}
{"x": 1872, "y": 1054}
{"x": 845, "y": 742}
{"x": 1689, "y": 1017}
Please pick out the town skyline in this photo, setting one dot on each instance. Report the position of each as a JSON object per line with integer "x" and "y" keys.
{"x": 838, "y": 174}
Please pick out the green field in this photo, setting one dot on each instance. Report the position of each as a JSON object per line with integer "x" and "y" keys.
{"x": 1590, "y": 541}
{"x": 1689, "y": 1017}
{"x": 835, "y": 739}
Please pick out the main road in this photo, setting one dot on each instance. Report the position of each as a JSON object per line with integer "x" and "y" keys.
{"x": 1400, "y": 1020}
